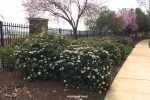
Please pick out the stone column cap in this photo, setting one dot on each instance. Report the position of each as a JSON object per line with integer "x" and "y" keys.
{"x": 37, "y": 19}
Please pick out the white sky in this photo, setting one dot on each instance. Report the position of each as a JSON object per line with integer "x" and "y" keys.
{"x": 118, "y": 4}
{"x": 13, "y": 11}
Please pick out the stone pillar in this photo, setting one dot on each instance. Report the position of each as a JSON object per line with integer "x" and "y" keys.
{"x": 38, "y": 25}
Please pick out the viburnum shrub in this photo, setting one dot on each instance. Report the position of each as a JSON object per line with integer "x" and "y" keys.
{"x": 122, "y": 51}
{"x": 85, "y": 68}
{"x": 36, "y": 56}
{"x": 116, "y": 41}
{"x": 110, "y": 44}
{"x": 123, "y": 40}
{"x": 114, "y": 51}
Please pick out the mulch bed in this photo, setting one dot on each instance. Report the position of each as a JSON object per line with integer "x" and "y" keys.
{"x": 12, "y": 87}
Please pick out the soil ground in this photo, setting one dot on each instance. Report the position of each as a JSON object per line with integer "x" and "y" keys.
{"x": 13, "y": 87}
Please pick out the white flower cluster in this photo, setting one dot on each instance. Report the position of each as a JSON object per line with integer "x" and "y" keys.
{"x": 81, "y": 63}
{"x": 36, "y": 56}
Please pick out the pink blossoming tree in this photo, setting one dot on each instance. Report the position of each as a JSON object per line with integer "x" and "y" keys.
{"x": 129, "y": 17}
{"x": 69, "y": 10}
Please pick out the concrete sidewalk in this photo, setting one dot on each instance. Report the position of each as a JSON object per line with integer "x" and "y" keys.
{"x": 133, "y": 80}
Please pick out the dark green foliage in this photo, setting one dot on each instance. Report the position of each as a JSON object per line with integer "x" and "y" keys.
{"x": 105, "y": 20}
{"x": 128, "y": 49}
{"x": 36, "y": 56}
{"x": 6, "y": 57}
{"x": 122, "y": 40}
{"x": 85, "y": 68}
{"x": 143, "y": 20}
{"x": 84, "y": 63}
{"x": 114, "y": 51}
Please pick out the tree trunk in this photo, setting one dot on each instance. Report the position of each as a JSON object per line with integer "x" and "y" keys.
{"x": 75, "y": 33}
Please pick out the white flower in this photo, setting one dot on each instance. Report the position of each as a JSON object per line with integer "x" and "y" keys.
{"x": 96, "y": 70}
{"x": 104, "y": 68}
{"x": 103, "y": 82}
{"x": 108, "y": 73}
{"x": 89, "y": 76}
{"x": 100, "y": 92}
{"x": 88, "y": 68}
{"x": 78, "y": 61}
{"x": 95, "y": 50}
{"x": 66, "y": 84}
{"x": 24, "y": 78}
{"x": 50, "y": 65}
{"x": 102, "y": 77}
{"x": 82, "y": 72}
{"x": 79, "y": 57}
{"x": 107, "y": 66}
{"x": 60, "y": 69}
{"x": 93, "y": 77}
{"x": 39, "y": 73}
{"x": 24, "y": 65}
{"x": 56, "y": 64}
{"x": 28, "y": 78}
{"x": 65, "y": 81}
{"x": 34, "y": 59}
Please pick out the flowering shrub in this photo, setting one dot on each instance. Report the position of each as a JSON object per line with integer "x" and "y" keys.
{"x": 85, "y": 68}
{"x": 114, "y": 51}
{"x": 118, "y": 42}
{"x": 110, "y": 44}
{"x": 36, "y": 56}
{"x": 123, "y": 40}
{"x": 122, "y": 51}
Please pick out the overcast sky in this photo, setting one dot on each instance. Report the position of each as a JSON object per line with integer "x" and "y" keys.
{"x": 13, "y": 11}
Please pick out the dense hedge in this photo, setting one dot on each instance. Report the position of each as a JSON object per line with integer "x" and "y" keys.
{"x": 123, "y": 40}
{"x": 113, "y": 45}
{"x": 85, "y": 68}
{"x": 84, "y": 63}
{"x": 36, "y": 56}
{"x": 114, "y": 51}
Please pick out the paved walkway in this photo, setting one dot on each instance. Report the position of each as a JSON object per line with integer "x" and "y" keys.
{"x": 133, "y": 80}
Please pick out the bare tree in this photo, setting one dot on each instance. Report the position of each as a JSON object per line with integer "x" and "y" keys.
{"x": 145, "y": 3}
{"x": 2, "y": 17}
{"x": 70, "y": 10}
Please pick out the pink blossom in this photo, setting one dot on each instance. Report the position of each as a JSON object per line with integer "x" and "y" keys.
{"x": 129, "y": 17}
